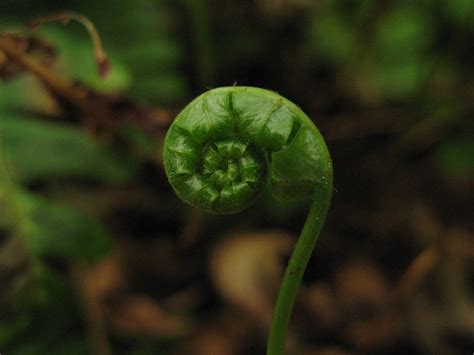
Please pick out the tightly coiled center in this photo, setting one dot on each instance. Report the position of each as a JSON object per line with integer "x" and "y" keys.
{"x": 230, "y": 163}
{"x": 235, "y": 170}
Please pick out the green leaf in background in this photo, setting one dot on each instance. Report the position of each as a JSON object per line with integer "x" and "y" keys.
{"x": 333, "y": 38}
{"x": 403, "y": 33}
{"x": 402, "y": 39}
{"x": 51, "y": 229}
{"x": 40, "y": 150}
{"x": 144, "y": 144}
{"x": 161, "y": 53}
{"x": 143, "y": 35}
{"x": 166, "y": 87}
{"x": 459, "y": 11}
{"x": 455, "y": 158}
{"x": 56, "y": 230}
{"x": 399, "y": 80}
{"x": 13, "y": 93}
{"x": 14, "y": 328}
{"x": 45, "y": 312}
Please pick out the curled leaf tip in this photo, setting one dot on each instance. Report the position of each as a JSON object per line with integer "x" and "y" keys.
{"x": 103, "y": 67}
{"x": 224, "y": 145}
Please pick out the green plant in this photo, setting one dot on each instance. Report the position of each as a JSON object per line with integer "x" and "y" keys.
{"x": 219, "y": 152}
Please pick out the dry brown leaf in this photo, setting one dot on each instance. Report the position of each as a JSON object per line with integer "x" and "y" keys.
{"x": 128, "y": 313}
{"x": 360, "y": 282}
{"x": 150, "y": 264}
{"x": 226, "y": 333}
{"x": 320, "y": 301}
{"x": 374, "y": 333}
{"x": 140, "y": 315}
{"x": 246, "y": 269}
{"x": 104, "y": 278}
{"x": 363, "y": 295}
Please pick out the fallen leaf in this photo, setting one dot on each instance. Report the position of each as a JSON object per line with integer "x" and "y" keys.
{"x": 319, "y": 299}
{"x": 360, "y": 284}
{"x": 105, "y": 278}
{"x": 246, "y": 270}
{"x": 363, "y": 295}
{"x": 228, "y": 333}
{"x": 140, "y": 315}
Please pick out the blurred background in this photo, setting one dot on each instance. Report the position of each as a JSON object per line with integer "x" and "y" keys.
{"x": 97, "y": 254}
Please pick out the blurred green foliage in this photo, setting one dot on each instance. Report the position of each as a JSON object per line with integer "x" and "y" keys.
{"x": 47, "y": 319}
{"x": 41, "y": 150}
{"x": 145, "y": 63}
{"x": 391, "y": 50}
{"x": 455, "y": 157}
{"x": 56, "y": 230}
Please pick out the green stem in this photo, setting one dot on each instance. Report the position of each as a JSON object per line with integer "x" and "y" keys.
{"x": 293, "y": 275}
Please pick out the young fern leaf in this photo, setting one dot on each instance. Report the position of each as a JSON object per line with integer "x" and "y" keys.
{"x": 222, "y": 148}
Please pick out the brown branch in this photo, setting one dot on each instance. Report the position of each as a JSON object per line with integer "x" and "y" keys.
{"x": 65, "y": 17}
{"x": 100, "y": 112}
{"x": 62, "y": 88}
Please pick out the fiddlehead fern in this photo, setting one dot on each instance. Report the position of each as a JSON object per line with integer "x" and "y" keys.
{"x": 222, "y": 148}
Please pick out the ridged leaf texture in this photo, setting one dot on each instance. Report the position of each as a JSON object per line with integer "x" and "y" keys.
{"x": 222, "y": 148}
